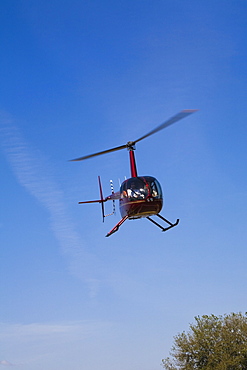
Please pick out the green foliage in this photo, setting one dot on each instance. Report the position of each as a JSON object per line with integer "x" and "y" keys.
{"x": 212, "y": 343}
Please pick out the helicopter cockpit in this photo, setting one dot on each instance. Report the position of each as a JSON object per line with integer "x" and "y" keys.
{"x": 138, "y": 188}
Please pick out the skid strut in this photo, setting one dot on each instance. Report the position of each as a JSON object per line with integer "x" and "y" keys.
{"x": 164, "y": 219}
{"x": 116, "y": 227}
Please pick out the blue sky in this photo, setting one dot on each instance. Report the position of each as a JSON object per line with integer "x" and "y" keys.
{"x": 83, "y": 76}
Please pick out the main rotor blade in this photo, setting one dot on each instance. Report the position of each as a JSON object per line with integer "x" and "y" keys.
{"x": 99, "y": 153}
{"x": 177, "y": 117}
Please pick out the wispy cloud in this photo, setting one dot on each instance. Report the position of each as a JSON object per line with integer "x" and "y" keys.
{"x": 52, "y": 345}
{"x": 6, "y": 363}
{"x": 30, "y": 332}
{"x": 33, "y": 172}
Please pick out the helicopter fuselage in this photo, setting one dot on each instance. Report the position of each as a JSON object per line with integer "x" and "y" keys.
{"x": 140, "y": 197}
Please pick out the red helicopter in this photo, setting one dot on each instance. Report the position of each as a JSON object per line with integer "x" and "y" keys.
{"x": 139, "y": 196}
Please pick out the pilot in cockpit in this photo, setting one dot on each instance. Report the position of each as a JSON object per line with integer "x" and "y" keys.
{"x": 134, "y": 192}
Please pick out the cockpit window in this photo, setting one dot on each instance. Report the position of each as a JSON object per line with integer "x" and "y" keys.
{"x": 137, "y": 188}
{"x": 134, "y": 188}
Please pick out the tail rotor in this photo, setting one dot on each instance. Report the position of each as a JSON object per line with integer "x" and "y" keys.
{"x": 102, "y": 199}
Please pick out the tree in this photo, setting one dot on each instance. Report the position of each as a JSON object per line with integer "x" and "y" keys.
{"x": 212, "y": 343}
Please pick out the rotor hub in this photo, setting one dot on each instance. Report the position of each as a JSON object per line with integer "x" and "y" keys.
{"x": 131, "y": 145}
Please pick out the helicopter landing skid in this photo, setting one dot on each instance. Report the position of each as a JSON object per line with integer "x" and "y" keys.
{"x": 116, "y": 227}
{"x": 164, "y": 219}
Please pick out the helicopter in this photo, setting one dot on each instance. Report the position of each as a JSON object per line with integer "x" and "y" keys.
{"x": 139, "y": 196}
